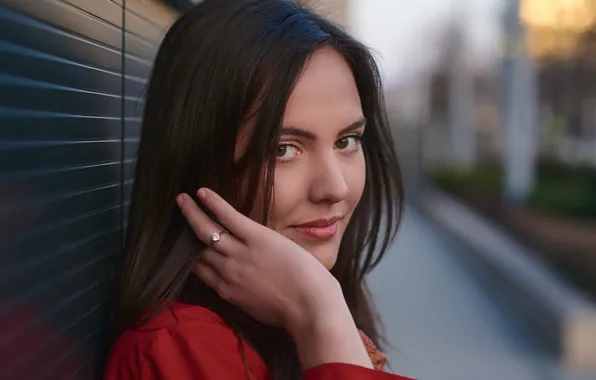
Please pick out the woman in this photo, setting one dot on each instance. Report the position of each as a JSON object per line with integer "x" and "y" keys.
{"x": 262, "y": 107}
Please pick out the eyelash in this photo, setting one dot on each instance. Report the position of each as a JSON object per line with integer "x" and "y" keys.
{"x": 357, "y": 137}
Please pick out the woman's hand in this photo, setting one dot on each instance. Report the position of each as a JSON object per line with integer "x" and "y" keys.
{"x": 275, "y": 281}
{"x": 264, "y": 273}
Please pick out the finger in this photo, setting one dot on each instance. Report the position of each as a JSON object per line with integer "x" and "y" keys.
{"x": 214, "y": 259}
{"x": 226, "y": 267}
{"x": 207, "y": 274}
{"x": 212, "y": 279}
{"x": 227, "y": 245}
{"x": 232, "y": 220}
{"x": 204, "y": 227}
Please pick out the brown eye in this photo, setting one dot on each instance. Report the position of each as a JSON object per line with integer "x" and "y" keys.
{"x": 349, "y": 144}
{"x": 286, "y": 152}
{"x": 343, "y": 143}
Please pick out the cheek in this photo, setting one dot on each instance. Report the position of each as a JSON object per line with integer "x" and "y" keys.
{"x": 289, "y": 195}
{"x": 355, "y": 176}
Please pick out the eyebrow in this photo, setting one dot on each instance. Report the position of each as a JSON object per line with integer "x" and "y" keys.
{"x": 302, "y": 133}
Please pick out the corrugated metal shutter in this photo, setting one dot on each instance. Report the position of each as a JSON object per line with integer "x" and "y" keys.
{"x": 69, "y": 127}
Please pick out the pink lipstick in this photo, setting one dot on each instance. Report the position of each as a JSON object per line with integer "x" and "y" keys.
{"x": 321, "y": 229}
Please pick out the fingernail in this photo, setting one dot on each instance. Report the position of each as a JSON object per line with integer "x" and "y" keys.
{"x": 202, "y": 194}
{"x": 180, "y": 200}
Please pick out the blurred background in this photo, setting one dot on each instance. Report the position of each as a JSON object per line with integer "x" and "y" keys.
{"x": 493, "y": 109}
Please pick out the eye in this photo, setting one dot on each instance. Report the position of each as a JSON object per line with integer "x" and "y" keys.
{"x": 350, "y": 144}
{"x": 287, "y": 152}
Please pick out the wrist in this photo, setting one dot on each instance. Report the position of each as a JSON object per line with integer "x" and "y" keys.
{"x": 317, "y": 310}
{"x": 330, "y": 337}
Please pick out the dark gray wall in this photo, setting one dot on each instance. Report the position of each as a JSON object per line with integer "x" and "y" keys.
{"x": 70, "y": 108}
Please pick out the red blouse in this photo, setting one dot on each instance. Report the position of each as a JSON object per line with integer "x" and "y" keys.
{"x": 188, "y": 342}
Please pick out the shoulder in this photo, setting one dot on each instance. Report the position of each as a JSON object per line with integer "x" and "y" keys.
{"x": 183, "y": 341}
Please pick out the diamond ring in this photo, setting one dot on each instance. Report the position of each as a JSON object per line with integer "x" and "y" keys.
{"x": 216, "y": 236}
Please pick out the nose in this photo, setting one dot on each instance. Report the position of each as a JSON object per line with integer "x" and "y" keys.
{"x": 329, "y": 180}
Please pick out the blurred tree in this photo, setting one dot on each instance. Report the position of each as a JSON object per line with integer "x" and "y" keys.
{"x": 451, "y": 94}
{"x": 562, "y": 39}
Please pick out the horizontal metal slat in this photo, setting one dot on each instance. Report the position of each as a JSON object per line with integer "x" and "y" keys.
{"x": 102, "y": 9}
{"x": 72, "y": 19}
{"x": 63, "y": 180}
{"x": 130, "y": 150}
{"x": 56, "y": 286}
{"x": 17, "y": 62}
{"x": 66, "y": 233}
{"x": 135, "y": 89}
{"x": 21, "y": 93}
{"x": 59, "y": 155}
{"x": 58, "y": 44}
{"x": 51, "y": 220}
{"x": 132, "y": 128}
{"x": 34, "y": 125}
{"x": 60, "y": 100}
{"x": 155, "y": 11}
{"x": 141, "y": 28}
{"x": 136, "y": 66}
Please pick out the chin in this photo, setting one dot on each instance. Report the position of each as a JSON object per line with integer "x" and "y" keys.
{"x": 325, "y": 255}
{"x": 325, "y": 252}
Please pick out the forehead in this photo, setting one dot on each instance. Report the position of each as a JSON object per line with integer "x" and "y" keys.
{"x": 325, "y": 97}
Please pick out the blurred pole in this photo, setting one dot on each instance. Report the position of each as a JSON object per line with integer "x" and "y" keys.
{"x": 462, "y": 124}
{"x": 520, "y": 117}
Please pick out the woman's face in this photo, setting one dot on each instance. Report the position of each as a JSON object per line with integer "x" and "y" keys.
{"x": 320, "y": 171}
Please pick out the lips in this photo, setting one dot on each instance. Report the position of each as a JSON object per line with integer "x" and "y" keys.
{"x": 320, "y": 229}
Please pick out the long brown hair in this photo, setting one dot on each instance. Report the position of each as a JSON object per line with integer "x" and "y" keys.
{"x": 214, "y": 65}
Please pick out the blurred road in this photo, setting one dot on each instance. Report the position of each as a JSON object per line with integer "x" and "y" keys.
{"x": 440, "y": 321}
